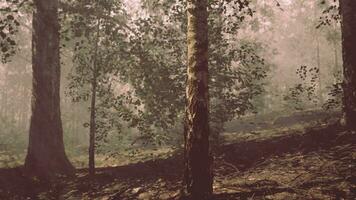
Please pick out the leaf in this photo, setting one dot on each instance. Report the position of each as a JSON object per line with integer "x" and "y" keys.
{"x": 10, "y": 17}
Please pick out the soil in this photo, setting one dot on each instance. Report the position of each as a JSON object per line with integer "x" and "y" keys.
{"x": 315, "y": 164}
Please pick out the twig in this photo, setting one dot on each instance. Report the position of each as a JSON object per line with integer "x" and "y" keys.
{"x": 231, "y": 165}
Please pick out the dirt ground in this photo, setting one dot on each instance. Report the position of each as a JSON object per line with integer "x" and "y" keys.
{"x": 318, "y": 163}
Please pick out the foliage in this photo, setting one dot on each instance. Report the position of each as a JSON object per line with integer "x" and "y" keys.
{"x": 335, "y": 95}
{"x": 9, "y": 26}
{"x": 141, "y": 62}
{"x": 330, "y": 14}
{"x": 98, "y": 46}
{"x": 303, "y": 94}
{"x": 157, "y": 72}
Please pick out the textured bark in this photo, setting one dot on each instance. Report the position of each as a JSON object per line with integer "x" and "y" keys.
{"x": 198, "y": 161}
{"x": 348, "y": 12}
{"x": 46, "y": 156}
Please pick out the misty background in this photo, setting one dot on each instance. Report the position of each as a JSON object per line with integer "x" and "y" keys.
{"x": 301, "y": 58}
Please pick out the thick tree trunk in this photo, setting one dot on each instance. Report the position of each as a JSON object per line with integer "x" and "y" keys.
{"x": 198, "y": 172}
{"x": 46, "y": 156}
{"x": 348, "y": 12}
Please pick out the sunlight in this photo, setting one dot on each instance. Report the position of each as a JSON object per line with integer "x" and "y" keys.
{"x": 177, "y": 99}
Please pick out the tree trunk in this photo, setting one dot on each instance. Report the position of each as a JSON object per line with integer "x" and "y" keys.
{"x": 92, "y": 128}
{"x": 318, "y": 62}
{"x": 93, "y": 106}
{"x": 336, "y": 58}
{"x": 5, "y": 98}
{"x": 348, "y": 12}
{"x": 46, "y": 155}
{"x": 198, "y": 160}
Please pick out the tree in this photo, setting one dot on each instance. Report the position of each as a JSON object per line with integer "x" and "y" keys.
{"x": 93, "y": 105}
{"x": 198, "y": 160}
{"x": 348, "y": 15}
{"x": 99, "y": 46}
{"x": 46, "y": 155}
{"x": 157, "y": 69}
{"x": 303, "y": 95}
{"x": 9, "y": 28}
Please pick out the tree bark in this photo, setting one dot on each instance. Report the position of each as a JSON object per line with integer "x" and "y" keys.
{"x": 198, "y": 160}
{"x": 93, "y": 106}
{"x": 46, "y": 155}
{"x": 348, "y": 14}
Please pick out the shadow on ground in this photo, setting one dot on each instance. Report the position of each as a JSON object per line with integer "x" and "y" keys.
{"x": 317, "y": 164}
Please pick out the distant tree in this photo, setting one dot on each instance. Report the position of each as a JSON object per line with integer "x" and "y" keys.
{"x": 46, "y": 155}
{"x": 348, "y": 16}
{"x": 329, "y": 24}
{"x": 303, "y": 95}
{"x": 98, "y": 47}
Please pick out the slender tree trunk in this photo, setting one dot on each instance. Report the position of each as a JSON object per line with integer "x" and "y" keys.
{"x": 348, "y": 12}
{"x": 336, "y": 57}
{"x": 92, "y": 127}
{"x": 28, "y": 110}
{"x": 23, "y": 109}
{"x": 46, "y": 155}
{"x": 4, "y": 99}
{"x": 198, "y": 161}
{"x": 336, "y": 54}
{"x": 93, "y": 106}
{"x": 335, "y": 69}
{"x": 318, "y": 61}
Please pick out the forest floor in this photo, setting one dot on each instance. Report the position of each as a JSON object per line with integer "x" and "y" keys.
{"x": 317, "y": 163}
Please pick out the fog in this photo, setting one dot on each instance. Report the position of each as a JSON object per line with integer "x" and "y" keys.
{"x": 283, "y": 33}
